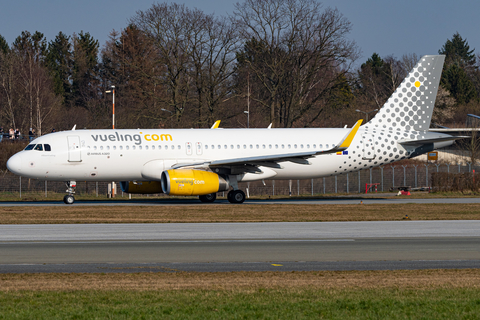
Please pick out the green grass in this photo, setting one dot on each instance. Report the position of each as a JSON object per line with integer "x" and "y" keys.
{"x": 451, "y": 303}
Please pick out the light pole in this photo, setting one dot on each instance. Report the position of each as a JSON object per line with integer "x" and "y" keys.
{"x": 112, "y": 184}
{"x": 366, "y": 113}
{"x": 248, "y": 101}
{"x": 113, "y": 105}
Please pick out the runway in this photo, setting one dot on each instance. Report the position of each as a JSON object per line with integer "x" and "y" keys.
{"x": 387, "y": 199}
{"x": 216, "y": 247}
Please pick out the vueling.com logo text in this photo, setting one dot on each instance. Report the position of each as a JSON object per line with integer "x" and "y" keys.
{"x": 137, "y": 138}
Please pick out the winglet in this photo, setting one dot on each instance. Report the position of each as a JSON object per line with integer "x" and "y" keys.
{"x": 349, "y": 138}
{"x": 215, "y": 125}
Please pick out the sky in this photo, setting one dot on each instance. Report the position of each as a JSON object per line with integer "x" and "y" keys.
{"x": 386, "y": 27}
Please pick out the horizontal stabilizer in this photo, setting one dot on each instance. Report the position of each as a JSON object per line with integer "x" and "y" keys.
{"x": 431, "y": 140}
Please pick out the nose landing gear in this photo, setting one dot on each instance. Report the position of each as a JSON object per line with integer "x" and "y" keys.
{"x": 69, "y": 198}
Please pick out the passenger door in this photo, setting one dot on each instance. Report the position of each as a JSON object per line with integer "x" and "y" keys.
{"x": 74, "y": 150}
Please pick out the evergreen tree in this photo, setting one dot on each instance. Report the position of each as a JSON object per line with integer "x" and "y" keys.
{"x": 31, "y": 46}
{"x": 458, "y": 51}
{"x": 456, "y": 81}
{"x": 85, "y": 82}
{"x": 59, "y": 62}
{"x": 459, "y": 71}
{"x": 3, "y": 45}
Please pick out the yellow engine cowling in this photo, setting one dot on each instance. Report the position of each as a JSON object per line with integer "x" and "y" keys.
{"x": 189, "y": 182}
{"x": 143, "y": 187}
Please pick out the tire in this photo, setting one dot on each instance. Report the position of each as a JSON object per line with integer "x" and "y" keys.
{"x": 208, "y": 198}
{"x": 236, "y": 196}
{"x": 68, "y": 199}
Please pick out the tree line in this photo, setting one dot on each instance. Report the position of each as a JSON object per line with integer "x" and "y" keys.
{"x": 288, "y": 62}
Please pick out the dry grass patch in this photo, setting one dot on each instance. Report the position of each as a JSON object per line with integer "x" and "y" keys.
{"x": 244, "y": 281}
{"x": 237, "y": 213}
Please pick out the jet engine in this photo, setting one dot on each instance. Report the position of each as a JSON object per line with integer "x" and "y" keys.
{"x": 143, "y": 187}
{"x": 189, "y": 182}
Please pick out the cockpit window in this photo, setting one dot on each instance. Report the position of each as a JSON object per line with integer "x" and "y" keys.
{"x": 30, "y": 147}
{"x": 47, "y": 147}
{"x": 38, "y": 147}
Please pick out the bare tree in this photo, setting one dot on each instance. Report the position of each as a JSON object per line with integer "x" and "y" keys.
{"x": 8, "y": 81}
{"x": 213, "y": 56}
{"x": 298, "y": 53}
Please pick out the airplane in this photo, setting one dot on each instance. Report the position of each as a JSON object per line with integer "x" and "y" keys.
{"x": 202, "y": 162}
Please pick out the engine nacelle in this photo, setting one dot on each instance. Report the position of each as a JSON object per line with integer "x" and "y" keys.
{"x": 143, "y": 187}
{"x": 189, "y": 182}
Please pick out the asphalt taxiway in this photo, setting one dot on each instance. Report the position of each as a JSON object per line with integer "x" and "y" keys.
{"x": 293, "y": 201}
{"x": 240, "y": 246}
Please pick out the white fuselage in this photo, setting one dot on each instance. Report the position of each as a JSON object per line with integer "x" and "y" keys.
{"x": 124, "y": 155}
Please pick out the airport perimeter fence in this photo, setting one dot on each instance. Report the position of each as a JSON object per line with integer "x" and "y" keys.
{"x": 445, "y": 177}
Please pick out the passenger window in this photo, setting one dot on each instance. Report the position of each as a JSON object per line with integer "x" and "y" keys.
{"x": 127, "y": 147}
{"x": 289, "y": 146}
{"x": 133, "y": 147}
{"x": 114, "y": 147}
{"x": 257, "y": 146}
{"x": 308, "y": 146}
{"x": 159, "y": 147}
{"x": 146, "y": 147}
{"x": 173, "y": 147}
{"x": 251, "y": 146}
{"x": 121, "y": 147}
{"x": 206, "y": 146}
{"x": 244, "y": 146}
{"x": 178, "y": 147}
{"x": 94, "y": 147}
{"x": 263, "y": 146}
{"x": 295, "y": 146}
{"x": 231, "y": 146}
{"x": 30, "y": 147}
{"x": 39, "y": 147}
{"x": 153, "y": 147}
{"x": 225, "y": 147}
{"x": 166, "y": 147}
{"x": 101, "y": 147}
{"x": 283, "y": 146}
{"x": 238, "y": 146}
{"x": 108, "y": 147}
{"x": 301, "y": 146}
{"x": 276, "y": 146}
{"x": 314, "y": 146}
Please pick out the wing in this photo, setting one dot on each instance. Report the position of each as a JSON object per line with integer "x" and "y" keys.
{"x": 273, "y": 160}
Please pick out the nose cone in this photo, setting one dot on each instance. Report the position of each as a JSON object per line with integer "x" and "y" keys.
{"x": 14, "y": 164}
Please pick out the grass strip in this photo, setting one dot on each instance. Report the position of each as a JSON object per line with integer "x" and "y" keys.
{"x": 399, "y": 294}
{"x": 237, "y": 213}
{"x": 309, "y": 303}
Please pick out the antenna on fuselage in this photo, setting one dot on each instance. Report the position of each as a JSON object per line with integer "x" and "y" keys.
{"x": 74, "y": 127}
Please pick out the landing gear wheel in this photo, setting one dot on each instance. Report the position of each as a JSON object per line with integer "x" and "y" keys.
{"x": 68, "y": 199}
{"x": 236, "y": 196}
{"x": 208, "y": 198}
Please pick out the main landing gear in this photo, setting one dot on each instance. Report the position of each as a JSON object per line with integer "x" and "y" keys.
{"x": 236, "y": 196}
{"x": 208, "y": 198}
{"x": 69, "y": 198}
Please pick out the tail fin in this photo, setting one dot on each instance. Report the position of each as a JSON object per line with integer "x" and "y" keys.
{"x": 410, "y": 107}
